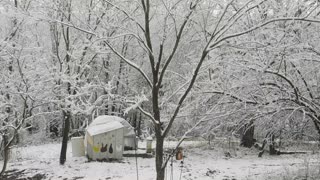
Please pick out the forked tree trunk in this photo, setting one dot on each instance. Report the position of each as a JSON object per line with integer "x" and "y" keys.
{"x": 66, "y": 129}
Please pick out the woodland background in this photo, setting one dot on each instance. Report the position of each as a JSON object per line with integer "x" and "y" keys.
{"x": 178, "y": 69}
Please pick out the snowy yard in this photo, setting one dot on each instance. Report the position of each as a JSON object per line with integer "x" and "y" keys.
{"x": 201, "y": 162}
{"x": 232, "y": 69}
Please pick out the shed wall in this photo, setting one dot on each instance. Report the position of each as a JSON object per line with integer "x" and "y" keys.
{"x": 107, "y": 145}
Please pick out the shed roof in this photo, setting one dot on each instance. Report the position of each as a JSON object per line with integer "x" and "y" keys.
{"x": 105, "y": 119}
{"x": 104, "y": 128}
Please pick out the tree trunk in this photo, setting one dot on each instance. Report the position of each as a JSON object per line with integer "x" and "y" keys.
{"x": 159, "y": 156}
{"x": 5, "y": 154}
{"x": 317, "y": 127}
{"x": 272, "y": 149}
{"x": 247, "y": 139}
{"x": 66, "y": 129}
{"x": 139, "y": 125}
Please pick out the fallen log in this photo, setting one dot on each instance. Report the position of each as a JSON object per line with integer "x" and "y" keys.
{"x": 273, "y": 151}
{"x": 294, "y": 152}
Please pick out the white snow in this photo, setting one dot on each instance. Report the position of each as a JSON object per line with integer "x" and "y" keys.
{"x": 105, "y": 119}
{"x": 200, "y": 163}
{"x": 103, "y": 128}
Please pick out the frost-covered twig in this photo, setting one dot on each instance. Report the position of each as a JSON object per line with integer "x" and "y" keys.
{"x": 129, "y": 62}
{"x": 126, "y": 13}
{"x": 148, "y": 115}
{"x": 214, "y": 44}
{"x": 185, "y": 135}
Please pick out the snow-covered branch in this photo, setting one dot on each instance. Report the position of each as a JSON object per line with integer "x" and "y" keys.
{"x": 218, "y": 41}
{"x": 129, "y": 62}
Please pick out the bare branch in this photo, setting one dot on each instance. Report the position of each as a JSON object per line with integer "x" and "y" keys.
{"x": 183, "y": 97}
{"x": 178, "y": 39}
{"x": 232, "y": 96}
{"x": 221, "y": 17}
{"x": 126, "y": 13}
{"x": 187, "y": 132}
{"x": 148, "y": 115}
{"x": 230, "y": 23}
{"x": 72, "y": 26}
{"x": 304, "y": 80}
{"x": 295, "y": 89}
{"x": 212, "y": 46}
{"x": 145, "y": 47}
{"x": 129, "y": 62}
{"x": 147, "y": 34}
{"x": 174, "y": 93}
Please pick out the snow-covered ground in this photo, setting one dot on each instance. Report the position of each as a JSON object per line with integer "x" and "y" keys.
{"x": 201, "y": 162}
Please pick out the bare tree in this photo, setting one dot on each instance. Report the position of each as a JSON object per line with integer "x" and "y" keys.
{"x": 162, "y": 36}
{"x": 218, "y": 34}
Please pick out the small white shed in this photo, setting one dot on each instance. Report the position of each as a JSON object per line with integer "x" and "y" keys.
{"x": 105, "y": 141}
{"x": 129, "y": 134}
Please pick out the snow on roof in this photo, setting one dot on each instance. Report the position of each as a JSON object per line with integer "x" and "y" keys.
{"x": 103, "y": 128}
{"x": 105, "y": 119}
